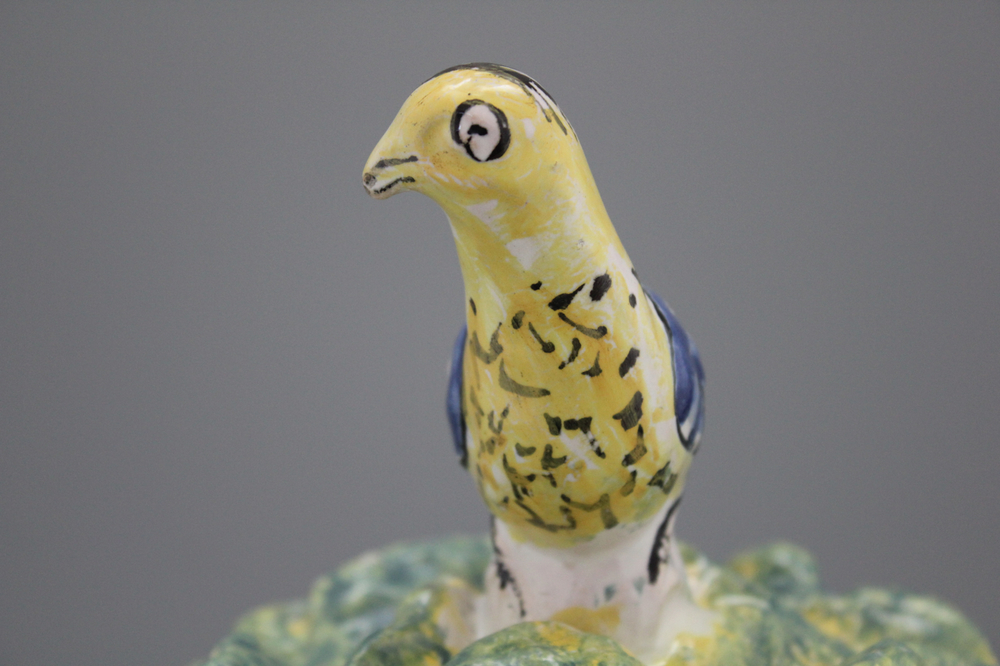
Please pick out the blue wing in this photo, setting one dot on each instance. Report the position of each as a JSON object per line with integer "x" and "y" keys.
{"x": 456, "y": 419}
{"x": 689, "y": 377}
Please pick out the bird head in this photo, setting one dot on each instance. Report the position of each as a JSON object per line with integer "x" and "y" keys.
{"x": 478, "y": 133}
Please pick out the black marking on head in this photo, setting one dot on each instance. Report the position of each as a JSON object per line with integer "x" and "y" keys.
{"x": 508, "y": 384}
{"x": 601, "y": 285}
{"x": 637, "y": 452}
{"x": 392, "y": 183}
{"x": 482, "y": 354}
{"x": 511, "y": 75}
{"x": 629, "y": 486}
{"x": 562, "y": 301}
{"x": 524, "y": 451}
{"x": 631, "y": 300}
{"x": 630, "y": 413}
{"x": 554, "y": 423}
{"x": 536, "y": 286}
{"x": 525, "y": 82}
{"x": 548, "y": 462}
{"x": 660, "y": 553}
{"x": 536, "y": 520}
{"x": 595, "y": 369}
{"x": 664, "y": 478}
{"x": 472, "y": 304}
{"x": 603, "y": 505}
{"x": 572, "y": 354}
{"x": 595, "y": 333}
{"x": 629, "y": 361}
{"x": 394, "y": 161}
{"x": 552, "y": 479}
{"x": 547, "y": 347}
{"x": 634, "y": 273}
{"x": 516, "y": 321}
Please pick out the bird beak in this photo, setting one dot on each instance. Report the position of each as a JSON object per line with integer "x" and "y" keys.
{"x": 388, "y": 169}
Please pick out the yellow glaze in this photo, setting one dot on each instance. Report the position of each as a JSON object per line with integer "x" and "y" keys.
{"x": 603, "y": 620}
{"x": 546, "y": 341}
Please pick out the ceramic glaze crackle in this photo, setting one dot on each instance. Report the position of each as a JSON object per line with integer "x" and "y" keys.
{"x": 576, "y": 396}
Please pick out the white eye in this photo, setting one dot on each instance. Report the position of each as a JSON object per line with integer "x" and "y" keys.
{"x": 482, "y": 129}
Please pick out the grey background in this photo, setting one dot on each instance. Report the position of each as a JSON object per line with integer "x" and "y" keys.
{"x": 223, "y": 364}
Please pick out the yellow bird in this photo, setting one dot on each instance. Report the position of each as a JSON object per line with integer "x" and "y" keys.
{"x": 576, "y": 397}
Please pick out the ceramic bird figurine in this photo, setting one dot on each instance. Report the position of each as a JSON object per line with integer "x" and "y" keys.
{"x": 576, "y": 398}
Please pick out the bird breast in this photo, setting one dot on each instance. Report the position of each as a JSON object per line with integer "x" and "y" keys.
{"x": 568, "y": 399}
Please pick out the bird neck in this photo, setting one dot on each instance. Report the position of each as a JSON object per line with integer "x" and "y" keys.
{"x": 547, "y": 239}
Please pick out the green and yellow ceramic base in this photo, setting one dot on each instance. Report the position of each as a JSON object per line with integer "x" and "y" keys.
{"x": 391, "y": 608}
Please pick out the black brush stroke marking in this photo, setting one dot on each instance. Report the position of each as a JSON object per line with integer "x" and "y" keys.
{"x": 631, "y": 300}
{"x": 595, "y": 333}
{"x": 548, "y": 462}
{"x": 554, "y": 423}
{"x": 547, "y": 347}
{"x": 661, "y": 545}
{"x": 637, "y": 452}
{"x": 536, "y": 286}
{"x": 394, "y": 161}
{"x": 536, "y": 520}
{"x": 518, "y": 482}
{"x": 482, "y": 354}
{"x": 498, "y": 428}
{"x": 508, "y": 384}
{"x": 595, "y": 369}
{"x": 574, "y": 352}
{"x": 491, "y": 443}
{"x": 524, "y": 451}
{"x": 629, "y": 361}
{"x": 664, "y": 478}
{"x": 472, "y": 303}
{"x": 504, "y": 576}
{"x": 516, "y": 321}
{"x": 630, "y": 413}
{"x": 392, "y": 183}
{"x": 601, "y": 285}
{"x": 603, "y": 505}
{"x": 562, "y": 301}
{"x": 629, "y": 486}
{"x": 479, "y": 413}
{"x": 583, "y": 425}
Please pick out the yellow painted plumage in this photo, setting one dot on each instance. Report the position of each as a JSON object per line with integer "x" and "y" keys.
{"x": 567, "y": 376}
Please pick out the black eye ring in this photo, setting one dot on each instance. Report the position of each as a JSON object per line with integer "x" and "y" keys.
{"x": 503, "y": 141}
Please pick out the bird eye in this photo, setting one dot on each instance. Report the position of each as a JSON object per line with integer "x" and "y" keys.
{"x": 481, "y": 129}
